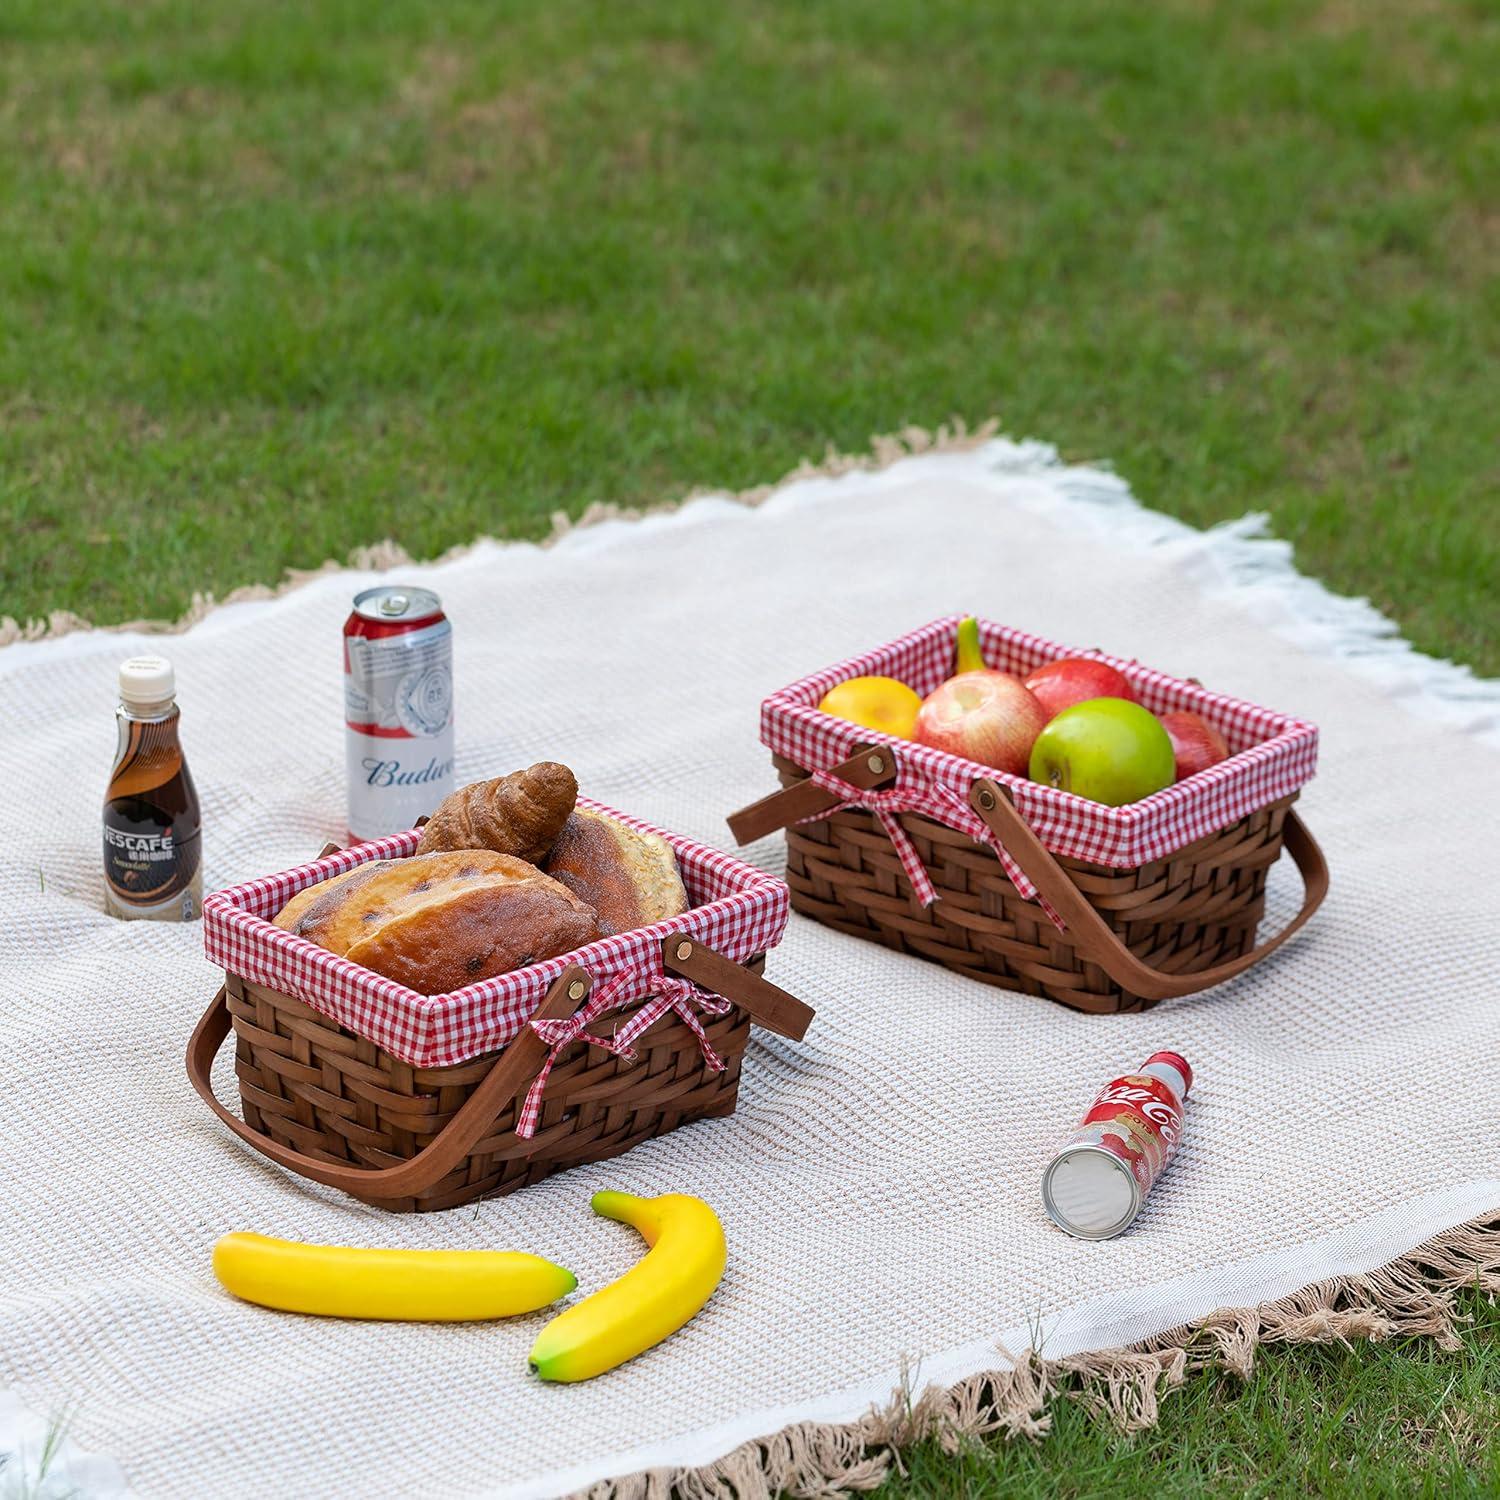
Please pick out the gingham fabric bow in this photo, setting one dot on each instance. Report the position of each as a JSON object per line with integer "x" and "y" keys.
{"x": 669, "y": 992}
{"x": 932, "y": 800}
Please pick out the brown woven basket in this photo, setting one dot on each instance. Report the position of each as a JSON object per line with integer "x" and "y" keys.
{"x": 1130, "y": 938}
{"x": 337, "y": 1108}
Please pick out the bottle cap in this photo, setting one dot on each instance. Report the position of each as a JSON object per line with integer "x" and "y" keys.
{"x": 147, "y": 680}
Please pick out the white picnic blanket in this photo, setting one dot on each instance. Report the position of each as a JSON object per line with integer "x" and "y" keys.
{"x": 879, "y": 1184}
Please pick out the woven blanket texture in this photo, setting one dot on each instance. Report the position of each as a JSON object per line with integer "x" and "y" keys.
{"x": 879, "y": 1183}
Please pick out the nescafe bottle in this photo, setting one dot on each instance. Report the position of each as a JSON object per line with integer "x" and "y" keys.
{"x": 153, "y": 864}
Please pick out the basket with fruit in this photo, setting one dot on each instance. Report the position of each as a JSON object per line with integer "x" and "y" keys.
{"x": 1063, "y": 823}
{"x": 528, "y": 982}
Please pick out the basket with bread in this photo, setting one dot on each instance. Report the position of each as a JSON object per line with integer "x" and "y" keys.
{"x": 527, "y": 982}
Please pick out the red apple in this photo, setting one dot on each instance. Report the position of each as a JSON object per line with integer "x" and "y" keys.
{"x": 1076, "y": 679}
{"x": 1196, "y": 744}
{"x": 984, "y": 716}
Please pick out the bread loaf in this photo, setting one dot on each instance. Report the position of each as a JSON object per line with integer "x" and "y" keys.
{"x": 436, "y": 922}
{"x": 519, "y": 814}
{"x": 630, "y": 879}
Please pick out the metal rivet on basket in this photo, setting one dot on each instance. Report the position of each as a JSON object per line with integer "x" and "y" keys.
{"x": 576, "y": 990}
{"x": 684, "y": 950}
{"x": 876, "y": 765}
{"x": 986, "y": 799}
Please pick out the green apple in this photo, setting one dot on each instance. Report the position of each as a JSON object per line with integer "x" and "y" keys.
{"x": 1105, "y": 749}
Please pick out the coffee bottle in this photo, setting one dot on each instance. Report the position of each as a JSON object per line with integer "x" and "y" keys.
{"x": 152, "y": 842}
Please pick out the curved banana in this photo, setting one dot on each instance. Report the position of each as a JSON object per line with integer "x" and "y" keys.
{"x": 339, "y": 1281}
{"x": 969, "y": 655}
{"x": 654, "y": 1298}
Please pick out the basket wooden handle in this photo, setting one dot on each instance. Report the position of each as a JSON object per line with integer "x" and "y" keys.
{"x": 1092, "y": 935}
{"x": 870, "y": 766}
{"x": 511, "y": 1072}
{"x": 765, "y": 1002}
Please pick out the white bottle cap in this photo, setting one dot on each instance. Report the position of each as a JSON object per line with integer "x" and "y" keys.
{"x": 146, "y": 681}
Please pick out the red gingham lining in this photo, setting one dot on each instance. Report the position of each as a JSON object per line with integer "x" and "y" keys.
{"x": 738, "y": 911}
{"x": 1271, "y": 754}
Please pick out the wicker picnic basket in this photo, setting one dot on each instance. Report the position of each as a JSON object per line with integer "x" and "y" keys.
{"x": 1022, "y": 885}
{"x": 414, "y": 1103}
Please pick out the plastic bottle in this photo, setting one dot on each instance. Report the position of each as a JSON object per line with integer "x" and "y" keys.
{"x": 153, "y": 866}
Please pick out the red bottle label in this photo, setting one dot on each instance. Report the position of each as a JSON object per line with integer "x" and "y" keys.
{"x": 1136, "y": 1118}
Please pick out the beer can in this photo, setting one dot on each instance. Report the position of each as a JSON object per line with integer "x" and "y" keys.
{"x": 1095, "y": 1185}
{"x": 398, "y": 709}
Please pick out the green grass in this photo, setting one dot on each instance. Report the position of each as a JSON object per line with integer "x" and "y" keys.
{"x": 283, "y": 278}
{"x": 280, "y": 278}
{"x": 1394, "y": 1420}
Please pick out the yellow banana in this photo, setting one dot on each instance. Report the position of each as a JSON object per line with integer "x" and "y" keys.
{"x": 339, "y": 1281}
{"x": 654, "y": 1298}
{"x": 968, "y": 656}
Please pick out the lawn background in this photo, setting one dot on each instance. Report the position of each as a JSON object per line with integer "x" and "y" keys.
{"x": 282, "y": 279}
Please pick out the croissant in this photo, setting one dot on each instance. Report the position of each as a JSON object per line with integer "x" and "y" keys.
{"x": 520, "y": 814}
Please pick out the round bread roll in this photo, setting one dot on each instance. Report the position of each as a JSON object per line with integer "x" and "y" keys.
{"x": 436, "y": 922}
{"x": 630, "y": 879}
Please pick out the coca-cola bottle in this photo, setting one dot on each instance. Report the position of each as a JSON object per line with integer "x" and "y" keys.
{"x": 153, "y": 864}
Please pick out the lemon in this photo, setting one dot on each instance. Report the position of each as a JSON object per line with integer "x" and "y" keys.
{"x": 875, "y": 703}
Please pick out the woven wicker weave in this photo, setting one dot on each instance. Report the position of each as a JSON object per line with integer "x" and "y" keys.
{"x": 1191, "y": 914}
{"x": 340, "y": 1109}
{"x": 326, "y": 1093}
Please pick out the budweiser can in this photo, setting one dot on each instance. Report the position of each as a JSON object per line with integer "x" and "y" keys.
{"x": 1096, "y": 1184}
{"x": 398, "y": 709}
